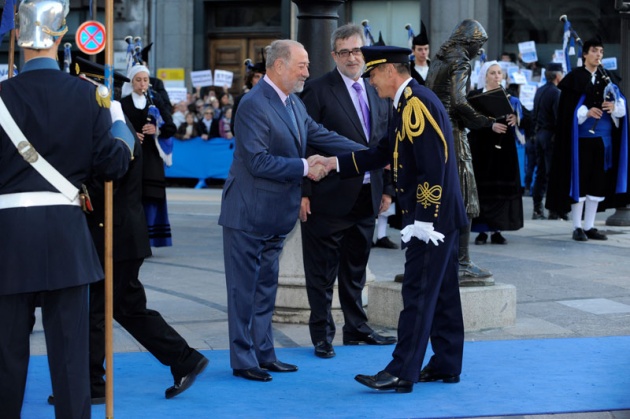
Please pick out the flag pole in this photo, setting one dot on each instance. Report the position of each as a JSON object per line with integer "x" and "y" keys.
{"x": 109, "y": 230}
{"x": 11, "y": 61}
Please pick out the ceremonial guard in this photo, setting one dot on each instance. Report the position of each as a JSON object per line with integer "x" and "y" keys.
{"x": 49, "y": 147}
{"x": 420, "y": 150}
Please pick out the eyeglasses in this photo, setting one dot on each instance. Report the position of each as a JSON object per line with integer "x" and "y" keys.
{"x": 345, "y": 53}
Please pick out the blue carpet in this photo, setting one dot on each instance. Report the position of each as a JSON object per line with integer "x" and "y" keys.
{"x": 500, "y": 378}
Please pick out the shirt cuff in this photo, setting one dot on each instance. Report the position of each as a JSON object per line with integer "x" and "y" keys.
{"x": 305, "y": 171}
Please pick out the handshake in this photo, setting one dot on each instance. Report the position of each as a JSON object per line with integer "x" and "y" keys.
{"x": 319, "y": 166}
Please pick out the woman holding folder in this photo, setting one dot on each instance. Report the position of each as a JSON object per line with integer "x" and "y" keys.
{"x": 495, "y": 159}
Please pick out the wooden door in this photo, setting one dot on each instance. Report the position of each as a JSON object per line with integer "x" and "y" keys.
{"x": 230, "y": 55}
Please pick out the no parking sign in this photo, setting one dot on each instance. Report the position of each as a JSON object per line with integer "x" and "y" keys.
{"x": 91, "y": 37}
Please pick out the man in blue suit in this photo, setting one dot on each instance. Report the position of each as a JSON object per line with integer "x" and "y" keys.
{"x": 261, "y": 202}
{"x": 421, "y": 153}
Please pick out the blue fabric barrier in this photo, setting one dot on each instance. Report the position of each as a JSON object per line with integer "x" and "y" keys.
{"x": 199, "y": 159}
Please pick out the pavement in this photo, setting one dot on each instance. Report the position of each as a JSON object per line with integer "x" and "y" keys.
{"x": 565, "y": 289}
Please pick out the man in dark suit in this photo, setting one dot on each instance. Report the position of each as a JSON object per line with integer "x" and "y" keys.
{"x": 421, "y": 152}
{"x": 261, "y": 202}
{"x": 46, "y": 252}
{"x": 338, "y": 216}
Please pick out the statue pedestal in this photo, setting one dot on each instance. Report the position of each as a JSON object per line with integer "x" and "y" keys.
{"x": 291, "y": 300}
{"x": 483, "y": 307}
{"x": 621, "y": 217}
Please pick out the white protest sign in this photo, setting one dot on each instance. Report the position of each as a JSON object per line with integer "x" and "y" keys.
{"x": 223, "y": 78}
{"x": 528, "y": 51}
{"x": 201, "y": 78}
{"x": 609, "y": 63}
{"x": 526, "y": 96}
{"x": 177, "y": 94}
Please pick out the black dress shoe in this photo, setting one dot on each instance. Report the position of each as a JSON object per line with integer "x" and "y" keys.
{"x": 278, "y": 366}
{"x": 95, "y": 400}
{"x": 371, "y": 339}
{"x": 482, "y": 238}
{"x": 428, "y": 374}
{"x": 385, "y": 243}
{"x": 183, "y": 383}
{"x": 385, "y": 381}
{"x": 497, "y": 238}
{"x": 579, "y": 235}
{"x": 324, "y": 349}
{"x": 254, "y": 374}
{"x": 593, "y": 234}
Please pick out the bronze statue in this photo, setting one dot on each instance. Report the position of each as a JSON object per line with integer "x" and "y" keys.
{"x": 449, "y": 78}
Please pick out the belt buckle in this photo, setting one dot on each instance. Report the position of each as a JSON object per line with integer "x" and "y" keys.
{"x": 27, "y": 151}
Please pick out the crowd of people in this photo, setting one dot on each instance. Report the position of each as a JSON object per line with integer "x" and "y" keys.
{"x": 313, "y": 151}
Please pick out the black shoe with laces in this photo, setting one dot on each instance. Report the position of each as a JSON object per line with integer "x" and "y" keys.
{"x": 593, "y": 234}
{"x": 579, "y": 235}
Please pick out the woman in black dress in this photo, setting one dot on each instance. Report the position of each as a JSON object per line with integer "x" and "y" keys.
{"x": 496, "y": 167}
{"x": 140, "y": 107}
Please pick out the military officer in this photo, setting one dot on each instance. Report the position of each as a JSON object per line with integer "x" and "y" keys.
{"x": 420, "y": 150}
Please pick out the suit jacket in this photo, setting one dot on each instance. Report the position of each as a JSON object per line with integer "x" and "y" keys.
{"x": 50, "y": 247}
{"x": 263, "y": 190}
{"x": 427, "y": 180}
{"x": 328, "y": 102}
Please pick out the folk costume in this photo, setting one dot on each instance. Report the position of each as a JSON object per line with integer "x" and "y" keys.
{"x": 589, "y": 169}
{"x": 137, "y": 108}
{"x": 497, "y": 174}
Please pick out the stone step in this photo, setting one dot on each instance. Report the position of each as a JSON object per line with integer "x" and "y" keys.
{"x": 488, "y": 307}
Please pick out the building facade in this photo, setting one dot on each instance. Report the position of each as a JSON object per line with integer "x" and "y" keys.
{"x": 212, "y": 34}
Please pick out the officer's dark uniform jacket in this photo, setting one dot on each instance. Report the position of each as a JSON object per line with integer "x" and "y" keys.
{"x": 50, "y": 247}
{"x": 425, "y": 173}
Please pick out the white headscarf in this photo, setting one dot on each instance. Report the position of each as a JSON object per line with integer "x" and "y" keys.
{"x": 481, "y": 80}
{"x": 133, "y": 71}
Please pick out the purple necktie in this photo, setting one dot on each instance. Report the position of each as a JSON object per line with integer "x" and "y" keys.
{"x": 364, "y": 108}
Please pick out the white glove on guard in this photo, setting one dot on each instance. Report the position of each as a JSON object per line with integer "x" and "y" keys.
{"x": 423, "y": 231}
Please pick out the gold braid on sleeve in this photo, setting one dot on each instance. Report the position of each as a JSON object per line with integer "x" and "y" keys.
{"x": 414, "y": 117}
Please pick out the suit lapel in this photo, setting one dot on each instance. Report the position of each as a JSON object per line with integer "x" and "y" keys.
{"x": 340, "y": 92}
{"x": 276, "y": 104}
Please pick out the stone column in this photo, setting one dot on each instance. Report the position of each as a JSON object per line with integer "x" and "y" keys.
{"x": 317, "y": 19}
{"x": 314, "y": 17}
{"x": 291, "y": 301}
{"x": 621, "y": 217}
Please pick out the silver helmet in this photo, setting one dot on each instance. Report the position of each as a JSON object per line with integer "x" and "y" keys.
{"x": 41, "y": 22}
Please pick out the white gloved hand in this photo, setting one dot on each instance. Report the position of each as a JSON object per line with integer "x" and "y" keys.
{"x": 423, "y": 231}
{"x": 115, "y": 109}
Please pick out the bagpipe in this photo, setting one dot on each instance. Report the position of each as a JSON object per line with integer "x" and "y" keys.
{"x": 134, "y": 57}
{"x": 570, "y": 38}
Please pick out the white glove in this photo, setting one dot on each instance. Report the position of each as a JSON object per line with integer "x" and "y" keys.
{"x": 423, "y": 231}
{"x": 115, "y": 109}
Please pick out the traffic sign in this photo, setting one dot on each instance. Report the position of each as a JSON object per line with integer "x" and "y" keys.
{"x": 91, "y": 37}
